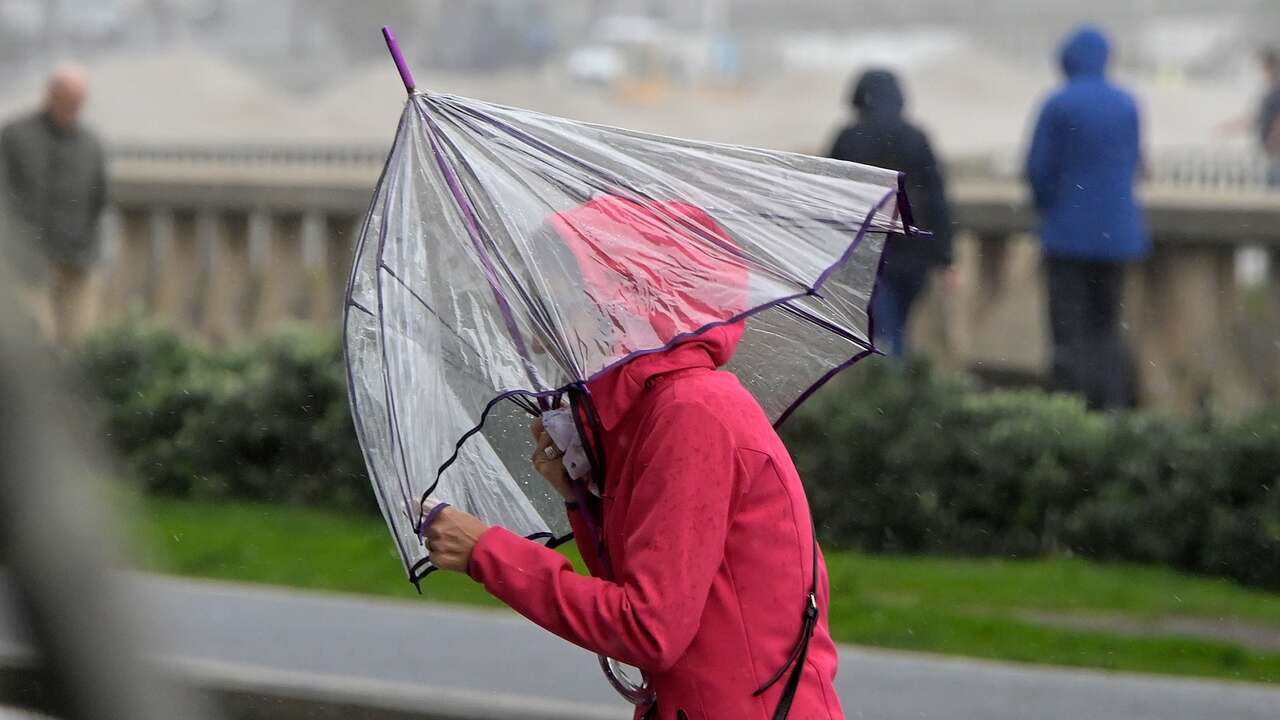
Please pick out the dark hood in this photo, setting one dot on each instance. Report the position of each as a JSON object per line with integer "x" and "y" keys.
{"x": 878, "y": 93}
{"x": 1085, "y": 53}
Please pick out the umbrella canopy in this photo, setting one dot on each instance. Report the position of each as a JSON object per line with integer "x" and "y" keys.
{"x": 509, "y": 258}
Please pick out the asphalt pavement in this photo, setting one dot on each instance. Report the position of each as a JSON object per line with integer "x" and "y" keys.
{"x": 494, "y": 656}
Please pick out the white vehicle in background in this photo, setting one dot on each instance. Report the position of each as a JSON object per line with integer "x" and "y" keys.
{"x": 620, "y": 47}
{"x": 638, "y": 51}
{"x": 596, "y": 64}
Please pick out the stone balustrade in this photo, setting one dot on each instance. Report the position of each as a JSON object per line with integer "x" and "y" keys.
{"x": 223, "y": 245}
{"x": 1202, "y": 314}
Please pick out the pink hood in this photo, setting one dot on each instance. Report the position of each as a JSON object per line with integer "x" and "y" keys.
{"x": 657, "y": 271}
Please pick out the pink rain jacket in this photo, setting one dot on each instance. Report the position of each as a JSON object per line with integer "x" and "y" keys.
{"x": 706, "y": 526}
{"x": 709, "y": 536}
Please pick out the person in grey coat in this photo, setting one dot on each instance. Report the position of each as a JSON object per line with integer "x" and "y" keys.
{"x": 53, "y": 178}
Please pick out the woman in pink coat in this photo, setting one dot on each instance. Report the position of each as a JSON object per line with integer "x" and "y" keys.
{"x": 700, "y": 542}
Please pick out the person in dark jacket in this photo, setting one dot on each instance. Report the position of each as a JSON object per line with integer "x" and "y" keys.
{"x": 882, "y": 136}
{"x": 53, "y": 177}
{"x": 1083, "y": 165}
{"x": 1268, "y": 121}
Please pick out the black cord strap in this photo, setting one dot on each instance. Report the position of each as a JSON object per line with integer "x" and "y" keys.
{"x": 800, "y": 654}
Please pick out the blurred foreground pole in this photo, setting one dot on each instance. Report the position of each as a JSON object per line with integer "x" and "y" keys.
{"x": 54, "y": 541}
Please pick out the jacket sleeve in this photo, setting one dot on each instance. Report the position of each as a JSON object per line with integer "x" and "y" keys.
{"x": 839, "y": 147}
{"x": 99, "y": 189}
{"x": 10, "y": 181}
{"x": 1044, "y": 158}
{"x": 17, "y": 236}
{"x": 674, "y": 534}
{"x": 1143, "y": 172}
{"x": 935, "y": 210}
{"x": 1268, "y": 121}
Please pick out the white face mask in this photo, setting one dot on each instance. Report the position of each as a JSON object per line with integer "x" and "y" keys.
{"x": 564, "y": 433}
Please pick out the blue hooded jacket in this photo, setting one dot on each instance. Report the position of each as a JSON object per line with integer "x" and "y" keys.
{"x": 1084, "y": 161}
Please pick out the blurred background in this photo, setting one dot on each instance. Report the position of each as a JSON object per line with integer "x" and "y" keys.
{"x": 968, "y": 510}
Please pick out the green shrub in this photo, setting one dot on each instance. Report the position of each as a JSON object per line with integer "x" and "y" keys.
{"x": 1243, "y": 532}
{"x": 895, "y": 458}
{"x": 904, "y": 459}
{"x": 269, "y": 421}
{"x": 277, "y": 426}
{"x": 148, "y": 380}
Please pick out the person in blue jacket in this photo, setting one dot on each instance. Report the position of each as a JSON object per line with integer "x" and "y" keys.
{"x": 1083, "y": 166}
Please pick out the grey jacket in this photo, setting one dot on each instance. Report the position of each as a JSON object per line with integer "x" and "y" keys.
{"x": 55, "y": 184}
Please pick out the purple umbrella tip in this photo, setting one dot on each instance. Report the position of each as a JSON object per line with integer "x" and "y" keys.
{"x": 398, "y": 57}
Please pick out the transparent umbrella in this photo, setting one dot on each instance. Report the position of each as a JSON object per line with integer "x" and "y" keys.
{"x": 509, "y": 257}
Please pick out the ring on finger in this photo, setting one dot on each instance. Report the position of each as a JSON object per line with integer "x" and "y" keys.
{"x": 551, "y": 452}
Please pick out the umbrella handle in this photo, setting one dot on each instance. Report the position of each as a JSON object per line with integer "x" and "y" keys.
{"x": 636, "y": 693}
{"x": 398, "y": 57}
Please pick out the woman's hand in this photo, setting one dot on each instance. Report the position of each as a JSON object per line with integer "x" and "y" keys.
{"x": 451, "y": 537}
{"x": 547, "y": 460}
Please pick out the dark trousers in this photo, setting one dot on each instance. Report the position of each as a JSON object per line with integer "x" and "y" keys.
{"x": 891, "y": 303}
{"x": 1089, "y": 354}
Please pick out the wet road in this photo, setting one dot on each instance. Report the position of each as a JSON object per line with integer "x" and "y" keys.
{"x": 498, "y": 655}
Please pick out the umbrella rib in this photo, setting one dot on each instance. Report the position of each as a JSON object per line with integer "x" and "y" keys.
{"x": 549, "y": 327}
{"x": 357, "y": 417}
{"x": 472, "y": 223}
{"x": 393, "y": 423}
{"x": 426, "y": 306}
{"x": 823, "y": 323}
{"x": 537, "y": 310}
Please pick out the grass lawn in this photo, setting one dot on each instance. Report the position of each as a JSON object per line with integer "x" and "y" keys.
{"x": 953, "y": 606}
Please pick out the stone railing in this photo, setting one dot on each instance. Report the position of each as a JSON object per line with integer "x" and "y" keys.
{"x": 1209, "y": 168}
{"x": 222, "y": 244}
{"x": 1202, "y": 314}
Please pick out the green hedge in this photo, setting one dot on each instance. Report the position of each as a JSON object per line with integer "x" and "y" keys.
{"x": 896, "y": 459}
{"x": 268, "y": 421}
{"x": 908, "y": 460}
